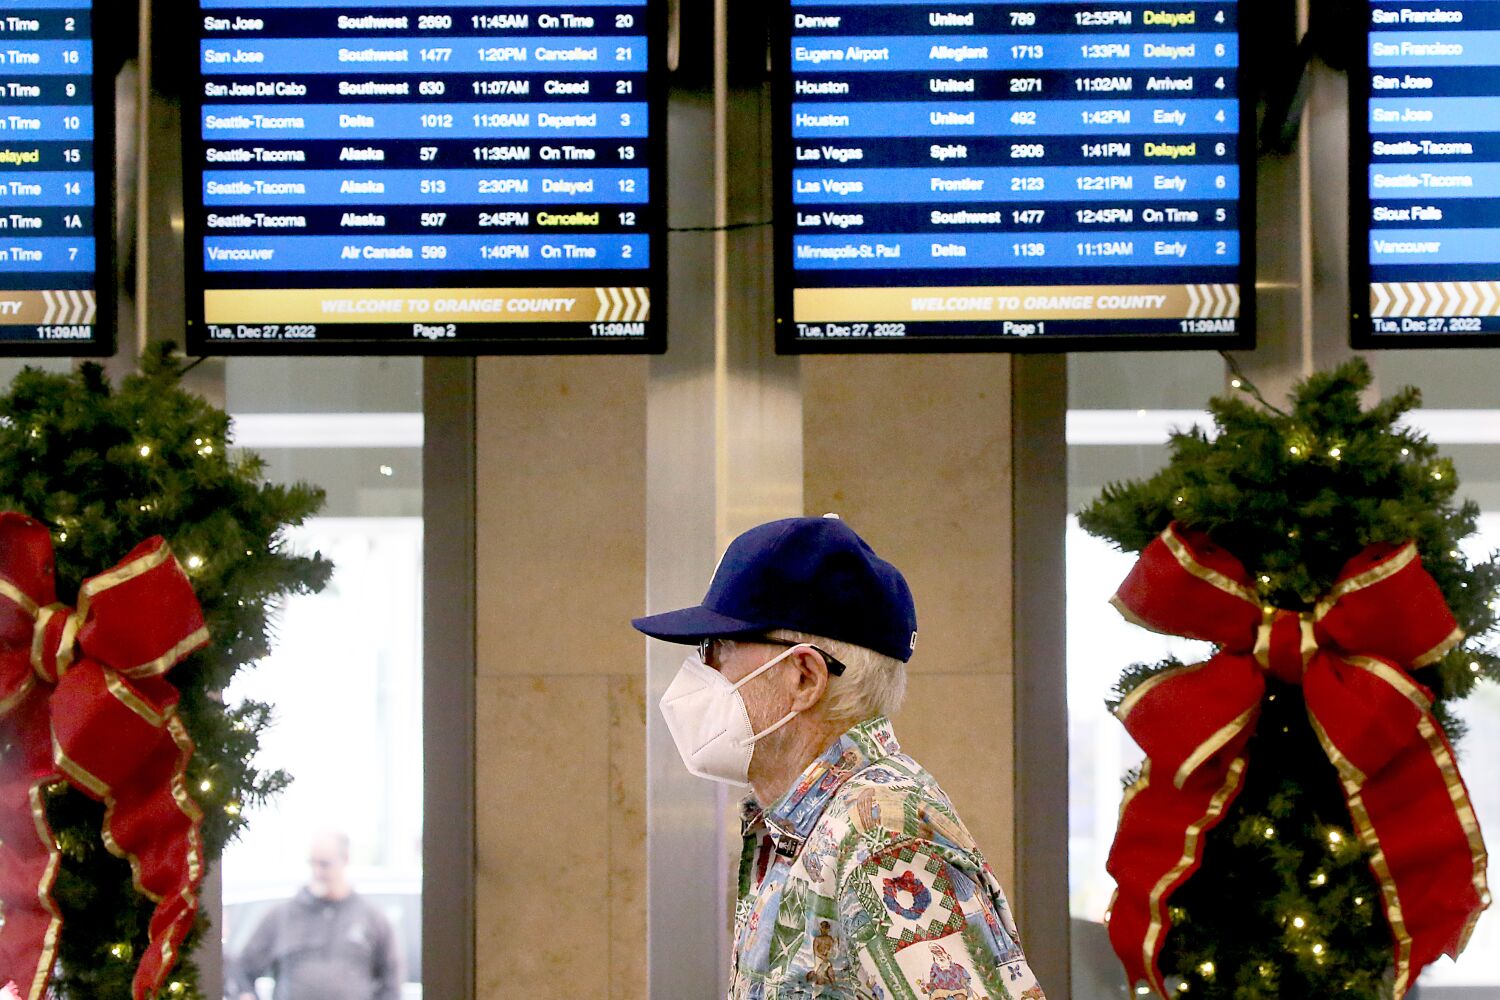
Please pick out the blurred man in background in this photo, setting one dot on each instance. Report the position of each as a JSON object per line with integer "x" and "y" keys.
{"x": 326, "y": 943}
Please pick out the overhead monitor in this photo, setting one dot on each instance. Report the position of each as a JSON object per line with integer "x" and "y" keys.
{"x": 1425, "y": 183}
{"x": 453, "y": 176}
{"x": 1041, "y": 175}
{"x": 57, "y": 283}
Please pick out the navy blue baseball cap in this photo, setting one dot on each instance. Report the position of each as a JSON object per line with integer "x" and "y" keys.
{"x": 808, "y": 574}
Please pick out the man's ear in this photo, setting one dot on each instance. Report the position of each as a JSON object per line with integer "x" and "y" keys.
{"x": 810, "y": 680}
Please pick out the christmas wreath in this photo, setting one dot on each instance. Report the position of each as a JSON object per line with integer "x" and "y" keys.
{"x": 1300, "y": 828}
{"x": 140, "y": 563}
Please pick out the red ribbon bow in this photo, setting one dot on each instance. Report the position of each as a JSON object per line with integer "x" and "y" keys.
{"x": 1351, "y": 655}
{"x": 83, "y": 699}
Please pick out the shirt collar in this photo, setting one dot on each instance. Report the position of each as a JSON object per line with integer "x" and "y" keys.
{"x": 791, "y": 820}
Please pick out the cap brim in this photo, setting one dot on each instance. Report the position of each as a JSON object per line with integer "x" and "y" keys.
{"x": 692, "y": 624}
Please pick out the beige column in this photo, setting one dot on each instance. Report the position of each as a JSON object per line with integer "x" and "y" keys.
{"x": 914, "y": 451}
{"x": 560, "y": 713}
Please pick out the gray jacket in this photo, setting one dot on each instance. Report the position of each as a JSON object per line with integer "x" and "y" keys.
{"x": 320, "y": 949}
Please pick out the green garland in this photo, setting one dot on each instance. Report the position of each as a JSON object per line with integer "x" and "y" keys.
{"x": 107, "y": 468}
{"x": 1285, "y": 905}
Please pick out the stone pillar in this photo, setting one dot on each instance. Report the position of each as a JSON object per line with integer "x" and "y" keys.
{"x": 914, "y": 452}
{"x": 560, "y": 692}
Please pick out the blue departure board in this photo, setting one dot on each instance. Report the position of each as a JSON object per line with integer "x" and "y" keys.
{"x": 1426, "y": 176}
{"x": 1045, "y": 175}
{"x": 56, "y": 182}
{"x": 454, "y": 176}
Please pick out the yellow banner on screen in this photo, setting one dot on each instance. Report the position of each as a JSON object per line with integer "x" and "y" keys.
{"x": 423, "y": 305}
{"x": 67, "y": 307}
{"x": 969, "y": 304}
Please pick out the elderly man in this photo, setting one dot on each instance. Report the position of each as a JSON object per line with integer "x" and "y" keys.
{"x": 857, "y": 878}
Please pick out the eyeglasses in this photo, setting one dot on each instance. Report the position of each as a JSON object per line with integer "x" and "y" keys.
{"x": 835, "y": 667}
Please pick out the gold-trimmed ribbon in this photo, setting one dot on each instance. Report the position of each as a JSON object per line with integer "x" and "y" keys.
{"x": 1352, "y": 655}
{"x": 84, "y": 700}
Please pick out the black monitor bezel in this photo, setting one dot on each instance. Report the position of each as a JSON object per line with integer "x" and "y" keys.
{"x": 1361, "y": 336}
{"x": 106, "y": 198}
{"x": 518, "y": 344}
{"x": 785, "y": 275}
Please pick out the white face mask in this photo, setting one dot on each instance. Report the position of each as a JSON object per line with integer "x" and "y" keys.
{"x": 709, "y": 722}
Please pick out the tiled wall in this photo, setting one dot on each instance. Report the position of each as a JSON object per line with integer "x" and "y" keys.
{"x": 914, "y": 452}
{"x": 561, "y": 560}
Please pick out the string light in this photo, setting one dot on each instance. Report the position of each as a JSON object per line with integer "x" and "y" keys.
{"x": 1320, "y": 879}
{"x": 232, "y": 808}
{"x": 1474, "y": 666}
{"x": 1335, "y": 838}
{"x": 1299, "y": 922}
{"x": 120, "y": 951}
{"x": 145, "y": 451}
{"x": 1236, "y": 383}
{"x": 1359, "y": 901}
{"x": 176, "y": 987}
{"x": 1207, "y": 970}
{"x": 195, "y": 562}
{"x": 1269, "y": 832}
{"x": 1336, "y": 453}
{"x": 205, "y": 785}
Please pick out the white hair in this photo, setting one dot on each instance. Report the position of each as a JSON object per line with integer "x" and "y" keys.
{"x": 872, "y": 684}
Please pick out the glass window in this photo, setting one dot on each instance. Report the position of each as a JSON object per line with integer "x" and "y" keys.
{"x": 1120, "y": 410}
{"x": 345, "y": 676}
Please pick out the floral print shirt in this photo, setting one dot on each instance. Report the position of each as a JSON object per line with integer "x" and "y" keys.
{"x": 862, "y": 883}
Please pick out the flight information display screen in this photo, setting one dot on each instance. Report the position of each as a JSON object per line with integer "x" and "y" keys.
{"x": 454, "y": 176}
{"x": 1425, "y": 188}
{"x": 56, "y": 182}
{"x": 1043, "y": 175}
